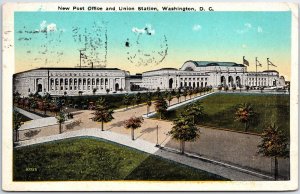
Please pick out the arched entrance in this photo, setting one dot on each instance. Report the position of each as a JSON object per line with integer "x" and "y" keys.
{"x": 223, "y": 81}
{"x": 116, "y": 87}
{"x": 171, "y": 83}
{"x": 230, "y": 81}
{"x": 238, "y": 81}
{"x": 39, "y": 88}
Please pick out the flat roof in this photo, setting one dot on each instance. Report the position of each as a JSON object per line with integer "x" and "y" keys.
{"x": 166, "y": 68}
{"x": 68, "y": 68}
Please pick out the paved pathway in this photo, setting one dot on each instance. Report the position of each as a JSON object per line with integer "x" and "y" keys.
{"x": 148, "y": 147}
{"x": 42, "y": 122}
{"x": 175, "y": 106}
{"x": 27, "y": 114}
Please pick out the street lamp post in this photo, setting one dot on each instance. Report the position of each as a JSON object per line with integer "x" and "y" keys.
{"x": 157, "y": 136}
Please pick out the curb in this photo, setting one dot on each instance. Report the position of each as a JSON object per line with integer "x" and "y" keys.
{"x": 191, "y": 155}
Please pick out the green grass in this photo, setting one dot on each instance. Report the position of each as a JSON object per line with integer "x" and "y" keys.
{"x": 220, "y": 108}
{"x": 93, "y": 159}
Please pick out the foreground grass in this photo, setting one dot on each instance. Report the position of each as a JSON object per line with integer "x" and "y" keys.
{"x": 92, "y": 159}
{"x": 220, "y": 108}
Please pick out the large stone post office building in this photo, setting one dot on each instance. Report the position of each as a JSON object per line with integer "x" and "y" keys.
{"x": 72, "y": 81}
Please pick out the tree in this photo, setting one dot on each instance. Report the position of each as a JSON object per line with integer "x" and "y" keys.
{"x": 184, "y": 130}
{"x": 47, "y": 96}
{"x": 240, "y": 86}
{"x": 149, "y": 102}
{"x": 33, "y": 104}
{"x": 58, "y": 103}
{"x": 16, "y": 97}
{"x": 244, "y": 113}
{"x": 173, "y": 92}
{"x": 196, "y": 90}
{"x": 274, "y": 144}
{"x": 184, "y": 94}
{"x": 226, "y": 88}
{"x": 45, "y": 106}
{"x": 178, "y": 95}
{"x": 158, "y": 94}
{"x": 201, "y": 89}
{"x": 133, "y": 99}
{"x": 60, "y": 120}
{"x": 190, "y": 93}
{"x": 133, "y": 123}
{"x": 195, "y": 110}
{"x": 169, "y": 98}
{"x": 137, "y": 98}
{"x": 27, "y": 103}
{"x": 17, "y": 122}
{"x": 22, "y": 102}
{"x": 126, "y": 100}
{"x": 247, "y": 88}
{"x": 107, "y": 90}
{"x": 219, "y": 88}
{"x": 161, "y": 106}
{"x": 102, "y": 113}
{"x": 37, "y": 95}
{"x": 233, "y": 88}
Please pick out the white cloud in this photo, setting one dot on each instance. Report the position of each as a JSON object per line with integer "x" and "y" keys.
{"x": 248, "y": 25}
{"x": 51, "y": 27}
{"x": 197, "y": 27}
{"x": 146, "y": 30}
{"x": 45, "y": 27}
{"x": 259, "y": 29}
{"x": 138, "y": 31}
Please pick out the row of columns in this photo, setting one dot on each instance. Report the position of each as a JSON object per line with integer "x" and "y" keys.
{"x": 70, "y": 84}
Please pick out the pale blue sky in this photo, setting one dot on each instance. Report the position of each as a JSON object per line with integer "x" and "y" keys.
{"x": 220, "y": 36}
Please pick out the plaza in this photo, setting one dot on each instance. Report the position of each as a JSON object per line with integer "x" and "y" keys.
{"x": 235, "y": 150}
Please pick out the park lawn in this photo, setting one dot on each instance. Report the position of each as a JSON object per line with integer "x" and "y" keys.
{"x": 84, "y": 159}
{"x": 219, "y": 111}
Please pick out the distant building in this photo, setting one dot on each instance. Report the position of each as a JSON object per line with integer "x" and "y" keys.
{"x": 72, "y": 81}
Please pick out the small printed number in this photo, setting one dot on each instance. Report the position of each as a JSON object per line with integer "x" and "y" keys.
{"x": 31, "y": 169}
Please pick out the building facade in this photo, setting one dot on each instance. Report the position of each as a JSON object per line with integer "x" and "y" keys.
{"x": 192, "y": 74}
{"x": 71, "y": 81}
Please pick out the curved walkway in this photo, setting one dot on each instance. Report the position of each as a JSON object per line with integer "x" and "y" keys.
{"x": 177, "y": 105}
{"x": 27, "y": 114}
{"x": 142, "y": 145}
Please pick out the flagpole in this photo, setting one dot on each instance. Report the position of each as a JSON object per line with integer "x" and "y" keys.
{"x": 80, "y": 58}
{"x": 268, "y": 70}
{"x": 256, "y": 71}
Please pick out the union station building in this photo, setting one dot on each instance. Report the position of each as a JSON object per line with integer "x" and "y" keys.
{"x": 192, "y": 74}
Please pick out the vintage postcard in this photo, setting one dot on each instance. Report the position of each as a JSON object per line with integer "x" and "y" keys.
{"x": 150, "y": 97}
